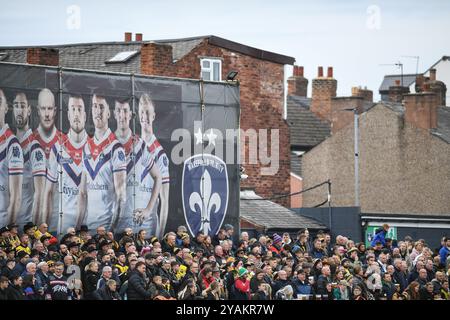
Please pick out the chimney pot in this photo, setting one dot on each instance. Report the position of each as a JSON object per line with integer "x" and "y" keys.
{"x": 330, "y": 72}
{"x": 320, "y": 72}
{"x": 128, "y": 36}
{"x": 138, "y": 36}
{"x": 397, "y": 83}
{"x": 433, "y": 75}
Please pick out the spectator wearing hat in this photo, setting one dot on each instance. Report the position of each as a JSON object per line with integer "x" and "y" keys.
{"x": 186, "y": 242}
{"x": 29, "y": 228}
{"x": 276, "y": 244}
{"x": 241, "y": 287}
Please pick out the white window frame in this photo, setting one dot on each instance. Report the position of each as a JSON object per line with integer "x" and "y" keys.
{"x": 211, "y": 68}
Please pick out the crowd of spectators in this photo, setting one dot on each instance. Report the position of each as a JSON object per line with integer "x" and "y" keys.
{"x": 98, "y": 265}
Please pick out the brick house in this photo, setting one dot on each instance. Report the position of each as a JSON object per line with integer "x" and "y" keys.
{"x": 404, "y": 165}
{"x": 260, "y": 73}
{"x": 312, "y": 120}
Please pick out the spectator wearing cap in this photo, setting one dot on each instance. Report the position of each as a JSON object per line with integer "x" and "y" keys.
{"x": 186, "y": 242}
{"x": 241, "y": 287}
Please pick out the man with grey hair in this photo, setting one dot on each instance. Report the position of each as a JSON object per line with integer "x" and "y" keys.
{"x": 106, "y": 275}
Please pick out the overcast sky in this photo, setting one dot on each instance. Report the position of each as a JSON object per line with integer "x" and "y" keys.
{"x": 353, "y": 36}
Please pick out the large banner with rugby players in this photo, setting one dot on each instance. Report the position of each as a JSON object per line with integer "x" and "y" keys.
{"x": 117, "y": 150}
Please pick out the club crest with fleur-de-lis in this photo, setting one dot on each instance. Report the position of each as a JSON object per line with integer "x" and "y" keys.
{"x": 205, "y": 193}
{"x": 205, "y": 203}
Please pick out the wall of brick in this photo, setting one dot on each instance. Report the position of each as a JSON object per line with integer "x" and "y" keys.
{"x": 403, "y": 169}
{"x": 340, "y": 117}
{"x": 261, "y": 90}
{"x": 296, "y": 186}
{"x": 43, "y": 56}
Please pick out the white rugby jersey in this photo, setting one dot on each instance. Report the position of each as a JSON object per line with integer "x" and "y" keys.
{"x": 11, "y": 163}
{"x": 34, "y": 165}
{"x": 69, "y": 156}
{"x": 47, "y": 144}
{"x": 101, "y": 159}
{"x": 160, "y": 158}
{"x": 146, "y": 182}
{"x": 139, "y": 162}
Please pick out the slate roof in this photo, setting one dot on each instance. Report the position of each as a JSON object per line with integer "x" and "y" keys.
{"x": 273, "y": 216}
{"x": 296, "y": 164}
{"x": 389, "y": 81}
{"x": 306, "y": 129}
{"x": 92, "y": 56}
{"x": 443, "y": 129}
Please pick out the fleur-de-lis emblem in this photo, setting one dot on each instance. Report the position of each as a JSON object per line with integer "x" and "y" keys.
{"x": 206, "y": 202}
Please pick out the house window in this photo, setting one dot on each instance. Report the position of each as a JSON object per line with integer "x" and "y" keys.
{"x": 211, "y": 69}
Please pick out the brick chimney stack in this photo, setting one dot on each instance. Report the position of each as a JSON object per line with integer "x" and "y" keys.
{"x": 421, "y": 109}
{"x": 297, "y": 84}
{"x": 43, "y": 56}
{"x": 323, "y": 90}
{"x": 128, "y": 36}
{"x": 437, "y": 87}
{"x": 366, "y": 94}
{"x": 156, "y": 59}
{"x": 138, "y": 36}
{"x": 397, "y": 91}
